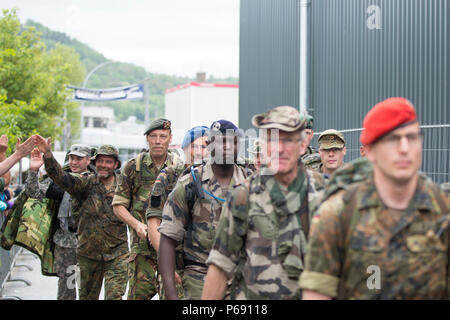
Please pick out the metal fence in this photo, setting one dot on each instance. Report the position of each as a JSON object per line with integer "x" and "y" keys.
{"x": 436, "y": 150}
{"x": 6, "y": 258}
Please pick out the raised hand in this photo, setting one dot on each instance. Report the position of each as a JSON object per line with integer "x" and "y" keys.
{"x": 22, "y": 149}
{"x": 44, "y": 145}
{"x": 3, "y": 143}
{"x": 36, "y": 160}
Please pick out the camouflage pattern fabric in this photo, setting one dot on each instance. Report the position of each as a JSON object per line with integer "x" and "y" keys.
{"x": 133, "y": 192}
{"x": 101, "y": 235}
{"x": 354, "y": 230}
{"x": 143, "y": 284}
{"x": 261, "y": 240}
{"x": 355, "y": 171}
{"x": 134, "y": 189}
{"x": 312, "y": 161}
{"x": 92, "y": 273}
{"x": 64, "y": 259}
{"x": 164, "y": 184}
{"x": 31, "y": 225}
{"x": 196, "y": 228}
{"x": 37, "y": 189}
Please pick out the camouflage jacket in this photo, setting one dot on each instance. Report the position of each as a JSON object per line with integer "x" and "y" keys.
{"x": 354, "y": 233}
{"x": 31, "y": 225}
{"x": 312, "y": 160}
{"x": 63, "y": 236}
{"x": 101, "y": 235}
{"x": 262, "y": 235}
{"x": 164, "y": 184}
{"x": 196, "y": 228}
{"x": 133, "y": 192}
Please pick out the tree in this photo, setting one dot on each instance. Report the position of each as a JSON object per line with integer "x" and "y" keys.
{"x": 33, "y": 94}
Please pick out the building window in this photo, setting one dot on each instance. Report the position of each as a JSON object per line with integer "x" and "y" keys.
{"x": 100, "y": 122}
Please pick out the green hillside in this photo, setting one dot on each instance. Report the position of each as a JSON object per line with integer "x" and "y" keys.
{"x": 119, "y": 74}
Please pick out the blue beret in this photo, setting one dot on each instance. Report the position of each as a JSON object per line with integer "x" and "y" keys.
{"x": 223, "y": 126}
{"x": 193, "y": 134}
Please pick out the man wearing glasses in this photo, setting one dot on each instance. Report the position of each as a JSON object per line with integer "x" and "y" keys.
{"x": 261, "y": 239}
{"x": 386, "y": 237}
{"x": 131, "y": 200}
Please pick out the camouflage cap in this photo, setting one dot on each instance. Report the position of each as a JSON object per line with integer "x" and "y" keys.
{"x": 80, "y": 150}
{"x": 284, "y": 118}
{"x": 330, "y": 139}
{"x": 158, "y": 124}
{"x": 309, "y": 122}
{"x": 108, "y": 150}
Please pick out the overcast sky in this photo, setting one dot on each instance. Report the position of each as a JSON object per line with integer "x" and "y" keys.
{"x": 177, "y": 37}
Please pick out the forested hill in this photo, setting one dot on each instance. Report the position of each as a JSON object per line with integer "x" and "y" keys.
{"x": 119, "y": 74}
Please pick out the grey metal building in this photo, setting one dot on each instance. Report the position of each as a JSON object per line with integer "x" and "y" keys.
{"x": 360, "y": 52}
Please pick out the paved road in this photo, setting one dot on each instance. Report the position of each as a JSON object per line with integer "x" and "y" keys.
{"x": 41, "y": 288}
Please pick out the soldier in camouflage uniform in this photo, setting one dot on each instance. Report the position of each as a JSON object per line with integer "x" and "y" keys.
{"x": 65, "y": 237}
{"x": 131, "y": 200}
{"x": 195, "y": 151}
{"x": 311, "y": 157}
{"x": 385, "y": 237}
{"x": 332, "y": 151}
{"x": 262, "y": 234}
{"x": 102, "y": 250}
{"x": 193, "y": 209}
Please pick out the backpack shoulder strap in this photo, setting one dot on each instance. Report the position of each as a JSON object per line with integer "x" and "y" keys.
{"x": 445, "y": 225}
{"x": 350, "y": 217}
{"x": 139, "y": 159}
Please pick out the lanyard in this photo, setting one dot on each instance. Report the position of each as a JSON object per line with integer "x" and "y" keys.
{"x": 209, "y": 193}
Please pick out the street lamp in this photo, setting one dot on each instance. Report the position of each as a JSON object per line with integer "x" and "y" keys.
{"x": 86, "y": 79}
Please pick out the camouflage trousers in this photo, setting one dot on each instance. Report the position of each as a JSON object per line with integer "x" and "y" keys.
{"x": 192, "y": 285}
{"x": 143, "y": 284}
{"x": 65, "y": 260}
{"x": 92, "y": 273}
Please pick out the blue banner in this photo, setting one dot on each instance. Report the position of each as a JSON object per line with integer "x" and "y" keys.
{"x": 132, "y": 92}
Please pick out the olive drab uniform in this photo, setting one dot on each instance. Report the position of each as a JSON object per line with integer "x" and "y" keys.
{"x": 133, "y": 192}
{"x": 164, "y": 184}
{"x": 196, "y": 226}
{"x": 353, "y": 231}
{"x": 102, "y": 250}
{"x": 262, "y": 235}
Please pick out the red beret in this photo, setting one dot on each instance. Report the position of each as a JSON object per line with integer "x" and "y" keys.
{"x": 386, "y": 116}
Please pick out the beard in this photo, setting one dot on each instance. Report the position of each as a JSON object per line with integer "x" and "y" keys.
{"x": 104, "y": 174}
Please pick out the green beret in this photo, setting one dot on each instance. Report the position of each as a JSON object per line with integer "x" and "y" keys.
{"x": 158, "y": 124}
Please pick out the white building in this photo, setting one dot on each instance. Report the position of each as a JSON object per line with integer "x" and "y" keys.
{"x": 200, "y": 103}
{"x": 99, "y": 128}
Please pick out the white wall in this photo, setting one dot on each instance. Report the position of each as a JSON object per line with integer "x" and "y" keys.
{"x": 191, "y": 105}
